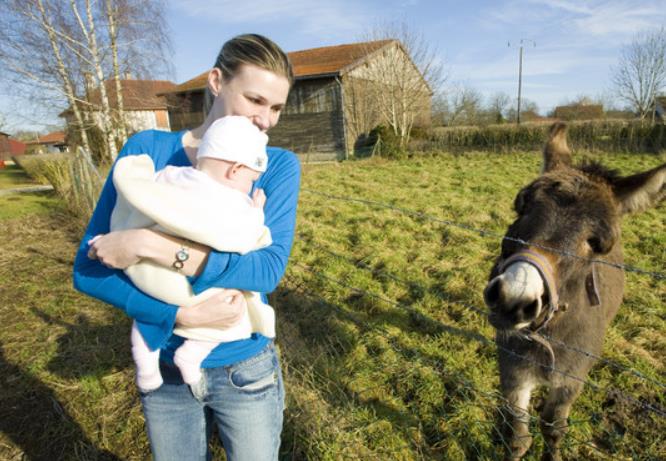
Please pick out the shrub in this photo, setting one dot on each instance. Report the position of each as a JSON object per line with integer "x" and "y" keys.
{"x": 387, "y": 143}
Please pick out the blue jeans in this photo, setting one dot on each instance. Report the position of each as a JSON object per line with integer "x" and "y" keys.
{"x": 245, "y": 400}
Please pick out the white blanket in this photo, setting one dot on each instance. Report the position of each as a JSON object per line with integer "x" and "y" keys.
{"x": 187, "y": 203}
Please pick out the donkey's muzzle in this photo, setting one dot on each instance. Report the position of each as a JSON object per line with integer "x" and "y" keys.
{"x": 515, "y": 297}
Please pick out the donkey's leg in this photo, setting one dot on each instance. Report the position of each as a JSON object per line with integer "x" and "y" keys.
{"x": 516, "y": 416}
{"x": 554, "y": 417}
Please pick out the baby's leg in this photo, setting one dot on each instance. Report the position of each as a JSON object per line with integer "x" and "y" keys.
{"x": 147, "y": 362}
{"x": 188, "y": 358}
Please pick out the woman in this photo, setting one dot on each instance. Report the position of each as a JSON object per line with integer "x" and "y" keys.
{"x": 242, "y": 389}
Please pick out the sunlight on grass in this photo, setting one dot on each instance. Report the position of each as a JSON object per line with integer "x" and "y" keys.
{"x": 386, "y": 350}
{"x": 389, "y": 305}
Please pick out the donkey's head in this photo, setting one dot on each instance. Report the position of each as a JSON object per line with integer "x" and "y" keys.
{"x": 566, "y": 217}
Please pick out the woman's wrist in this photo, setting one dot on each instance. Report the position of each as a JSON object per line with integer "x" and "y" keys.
{"x": 161, "y": 249}
{"x": 183, "y": 317}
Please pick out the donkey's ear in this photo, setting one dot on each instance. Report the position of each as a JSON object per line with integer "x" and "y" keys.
{"x": 640, "y": 191}
{"x": 556, "y": 154}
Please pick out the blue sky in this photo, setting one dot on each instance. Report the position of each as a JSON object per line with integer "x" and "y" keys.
{"x": 577, "y": 42}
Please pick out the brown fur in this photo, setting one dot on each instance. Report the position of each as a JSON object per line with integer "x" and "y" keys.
{"x": 570, "y": 211}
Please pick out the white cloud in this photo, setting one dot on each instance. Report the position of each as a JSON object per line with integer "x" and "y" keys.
{"x": 608, "y": 18}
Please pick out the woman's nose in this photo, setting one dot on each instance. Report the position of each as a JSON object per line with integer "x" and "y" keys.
{"x": 262, "y": 120}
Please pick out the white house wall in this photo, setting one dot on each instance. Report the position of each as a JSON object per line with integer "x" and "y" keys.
{"x": 137, "y": 120}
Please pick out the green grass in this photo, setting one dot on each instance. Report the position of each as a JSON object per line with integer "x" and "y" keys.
{"x": 14, "y": 176}
{"x": 429, "y": 379}
{"x": 27, "y": 204}
{"x": 408, "y": 372}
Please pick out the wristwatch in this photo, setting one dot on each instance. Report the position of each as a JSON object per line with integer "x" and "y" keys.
{"x": 181, "y": 255}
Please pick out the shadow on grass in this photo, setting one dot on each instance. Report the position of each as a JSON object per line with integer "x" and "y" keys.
{"x": 33, "y": 418}
{"x": 88, "y": 349}
{"x": 316, "y": 325}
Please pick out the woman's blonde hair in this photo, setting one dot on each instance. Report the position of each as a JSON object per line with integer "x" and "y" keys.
{"x": 250, "y": 49}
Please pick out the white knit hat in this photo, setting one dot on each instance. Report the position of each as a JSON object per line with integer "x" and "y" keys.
{"x": 235, "y": 139}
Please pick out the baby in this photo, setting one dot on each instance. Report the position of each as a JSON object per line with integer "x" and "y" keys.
{"x": 208, "y": 204}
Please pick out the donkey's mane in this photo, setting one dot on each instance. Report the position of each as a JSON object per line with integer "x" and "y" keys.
{"x": 596, "y": 170}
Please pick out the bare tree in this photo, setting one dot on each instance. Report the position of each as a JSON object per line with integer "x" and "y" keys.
{"x": 528, "y": 110}
{"x": 48, "y": 48}
{"x": 464, "y": 105}
{"x": 396, "y": 84}
{"x": 641, "y": 72}
{"x": 498, "y": 105}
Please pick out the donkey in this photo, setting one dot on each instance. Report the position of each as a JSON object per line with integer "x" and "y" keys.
{"x": 548, "y": 298}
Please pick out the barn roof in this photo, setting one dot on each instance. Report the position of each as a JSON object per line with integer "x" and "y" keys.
{"x": 55, "y": 137}
{"x": 313, "y": 62}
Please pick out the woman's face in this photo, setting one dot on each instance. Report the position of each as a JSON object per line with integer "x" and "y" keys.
{"x": 253, "y": 92}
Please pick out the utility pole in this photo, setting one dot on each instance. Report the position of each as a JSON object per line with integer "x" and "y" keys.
{"x": 520, "y": 72}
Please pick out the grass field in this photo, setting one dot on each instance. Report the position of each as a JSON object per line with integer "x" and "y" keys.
{"x": 13, "y": 176}
{"x": 387, "y": 353}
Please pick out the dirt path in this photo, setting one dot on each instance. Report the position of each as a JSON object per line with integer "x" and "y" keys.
{"x": 18, "y": 190}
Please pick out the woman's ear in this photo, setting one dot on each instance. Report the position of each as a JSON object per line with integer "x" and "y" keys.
{"x": 215, "y": 81}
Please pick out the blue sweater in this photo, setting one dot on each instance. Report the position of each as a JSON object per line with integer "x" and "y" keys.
{"x": 259, "y": 270}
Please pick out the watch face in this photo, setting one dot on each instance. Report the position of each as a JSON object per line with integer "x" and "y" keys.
{"x": 182, "y": 255}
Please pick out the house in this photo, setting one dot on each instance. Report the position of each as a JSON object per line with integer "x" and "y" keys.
{"x": 10, "y": 147}
{"x": 318, "y": 119}
{"x": 53, "y": 142}
{"x": 143, "y": 108}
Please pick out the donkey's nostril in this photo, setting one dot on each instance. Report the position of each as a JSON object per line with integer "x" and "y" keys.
{"x": 492, "y": 293}
{"x": 530, "y": 310}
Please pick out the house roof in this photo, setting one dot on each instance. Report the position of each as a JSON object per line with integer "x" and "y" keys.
{"x": 137, "y": 94}
{"x": 327, "y": 60}
{"x": 55, "y": 137}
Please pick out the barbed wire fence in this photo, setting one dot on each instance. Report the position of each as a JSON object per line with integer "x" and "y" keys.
{"x": 494, "y": 399}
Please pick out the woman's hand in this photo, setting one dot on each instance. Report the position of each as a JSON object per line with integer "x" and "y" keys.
{"x": 117, "y": 250}
{"x": 258, "y": 198}
{"x": 222, "y": 310}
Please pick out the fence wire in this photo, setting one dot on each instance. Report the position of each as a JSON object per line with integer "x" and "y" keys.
{"x": 360, "y": 263}
{"x": 493, "y": 397}
{"x": 628, "y": 398}
{"x": 484, "y": 312}
{"x": 485, "y": 233}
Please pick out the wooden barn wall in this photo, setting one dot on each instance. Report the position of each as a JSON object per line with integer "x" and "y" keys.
{"x": 185, "y": 110}
{"x": 308, "y": 133}
{"x": 312, "y": 120}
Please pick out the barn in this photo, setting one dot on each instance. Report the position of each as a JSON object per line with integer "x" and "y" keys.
{"x": 321, "y": 119}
